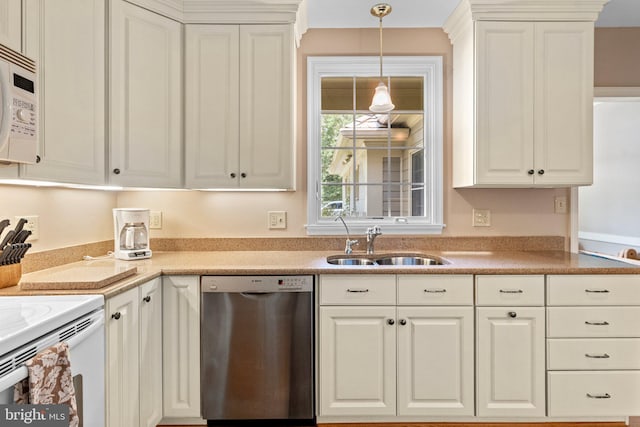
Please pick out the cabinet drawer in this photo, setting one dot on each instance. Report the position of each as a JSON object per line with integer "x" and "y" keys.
{"x": 608, "y": 393}
{"x": 605, "y": 289}
{"x": 417, "y": 289}
{"x": 593, "y": 354}
{"x": 350, "y": 289}
{"x": 577, "y": 322}
{"x": 510, "y": 290}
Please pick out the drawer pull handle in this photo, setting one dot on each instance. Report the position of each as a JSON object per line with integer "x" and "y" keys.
{"x": 511, "y": 291}
{"x": 599, "y": 396}
{"x": 597, "y": 291}
{"x": 597, "y": 356}
{"x": 605, "y": 323}
{"x": 357, "y": 291}
{"x": 435, "y": 291}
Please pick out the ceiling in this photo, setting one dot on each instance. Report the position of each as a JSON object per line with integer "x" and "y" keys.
{"x": 433, "y": 13}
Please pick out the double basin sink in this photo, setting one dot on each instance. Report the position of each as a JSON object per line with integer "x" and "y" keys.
{"x": 385, "y": 259}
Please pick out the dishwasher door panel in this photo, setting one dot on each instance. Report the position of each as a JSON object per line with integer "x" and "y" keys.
{"x": 257, "y": 355}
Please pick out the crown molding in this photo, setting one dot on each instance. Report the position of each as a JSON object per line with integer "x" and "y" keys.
{"x": 240, "y": 11}
{"x": 230, "y": 11}
{"x": 520, "y": 10}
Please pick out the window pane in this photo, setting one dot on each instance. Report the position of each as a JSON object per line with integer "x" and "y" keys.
{"x": 365, "y": 88}
{"x": 372, "y": 164}
{"x": 407, "y": 93}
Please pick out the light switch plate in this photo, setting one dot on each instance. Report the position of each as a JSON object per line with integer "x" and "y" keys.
{"x": 560, "y": 205}
{"x": 481, "y": 218}
{"x": 277, "y": 219}
{"x": 155, "y": 219}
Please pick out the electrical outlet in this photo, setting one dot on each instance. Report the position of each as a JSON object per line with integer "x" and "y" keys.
{"x": 277, "y": 219}
{"x": 32, "y": 224}
{"x": 560, "y": 205}
{"x": 481, "y": 218}
{"x": 155, "y": 219}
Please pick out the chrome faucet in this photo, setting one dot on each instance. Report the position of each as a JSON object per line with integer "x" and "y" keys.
{"x": 349, "y": 242}
{"x": 372, "y": 233}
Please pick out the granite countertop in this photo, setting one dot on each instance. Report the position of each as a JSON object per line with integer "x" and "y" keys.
{"x": 314, "y": 262}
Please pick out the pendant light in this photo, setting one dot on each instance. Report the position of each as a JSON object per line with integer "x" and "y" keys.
{"x": 381, "y": 99}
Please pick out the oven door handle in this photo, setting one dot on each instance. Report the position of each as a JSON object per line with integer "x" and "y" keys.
{"x": 9, "y": 380}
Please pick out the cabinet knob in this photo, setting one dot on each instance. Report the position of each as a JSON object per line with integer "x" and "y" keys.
{"x": 391, "y": 321}
{"x": 147, "y": 298}
{"x": 116, "y": 315}
{"x": 530, "y": 171}
{"x": 403, "y": 322}
{"x": 243, "y": 175}
{"x": 541, "y": 172}
{"x": 232, "y": 174}
{"x": 116, "y": 171}
{"x": 38, "y": 159}
{"x": 512, "y": 314}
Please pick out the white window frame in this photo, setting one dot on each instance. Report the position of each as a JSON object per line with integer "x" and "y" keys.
{"x": 428, "y": 67}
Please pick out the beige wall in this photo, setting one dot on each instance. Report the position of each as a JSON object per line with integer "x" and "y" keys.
{"x": 67, "y": 217}
{"x": 617, "y": 57}
{"x": 70, "y": 217}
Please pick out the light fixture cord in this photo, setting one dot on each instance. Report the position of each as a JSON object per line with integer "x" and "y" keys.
{"x": 380, "y": 48}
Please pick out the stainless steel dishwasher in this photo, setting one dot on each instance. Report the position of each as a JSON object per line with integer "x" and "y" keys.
{"x": 257, "y": 349}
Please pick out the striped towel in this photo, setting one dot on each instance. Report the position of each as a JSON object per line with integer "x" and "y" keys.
{"x": 50, "y": 381}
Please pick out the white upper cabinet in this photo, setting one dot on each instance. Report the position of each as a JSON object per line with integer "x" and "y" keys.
{"x": 239, "y": 106}
{"x": 11, "y": 24}
{"x": 67, "y": 40}
{"x": 145, "y": 98}
{"x": 523, "y": 94}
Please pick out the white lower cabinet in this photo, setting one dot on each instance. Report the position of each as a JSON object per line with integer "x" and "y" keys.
{"x": 510, "y": 346}
{"x": 357, "y": 360}
{"x": 435, "y": 361}
{"x": 181, "y": 348}
{"x": 134, "y": 357}
{"x": 150, "y": 299}
{"x": 593, "y": 342}
{"x": 382, "y": 358}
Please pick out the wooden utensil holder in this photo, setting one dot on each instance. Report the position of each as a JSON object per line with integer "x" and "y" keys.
{"x": 10, "y": 275}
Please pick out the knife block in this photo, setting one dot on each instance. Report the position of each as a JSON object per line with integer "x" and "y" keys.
{"x": 10, "y": 275}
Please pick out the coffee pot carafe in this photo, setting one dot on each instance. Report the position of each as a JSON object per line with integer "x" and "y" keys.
{"x": 131, "y": 227}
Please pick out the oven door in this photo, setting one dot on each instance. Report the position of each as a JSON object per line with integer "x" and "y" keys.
{"x": 86, "y": 346}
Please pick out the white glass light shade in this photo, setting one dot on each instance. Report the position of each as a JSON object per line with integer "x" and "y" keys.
{"x": 381, "y": 100}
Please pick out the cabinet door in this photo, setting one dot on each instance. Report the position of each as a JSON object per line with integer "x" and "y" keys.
{"x": 435, "y": 361}
{"x": 357, "y": 361}
{"x": 504, "y": 102}
{"x": 510, "y": 362}
{"x": 11, "y": 24}
{"x": 564, "y": 103}
{"x": 150, "y": 300}
{"x": 181, "y": 346}
{"x": 211, "y": 107}
{"x": 67, "y": 40}
{"x": 266, "y": 106}
{"x": 122, "y": 382}
{"x": 146, "y": 98}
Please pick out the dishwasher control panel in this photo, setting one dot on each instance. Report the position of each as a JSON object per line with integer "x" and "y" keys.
{"x": 283, "y": 283}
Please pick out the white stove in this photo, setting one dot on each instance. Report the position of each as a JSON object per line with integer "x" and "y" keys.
{"x": 29, "y": 325}
{"x": 25, "y": 318}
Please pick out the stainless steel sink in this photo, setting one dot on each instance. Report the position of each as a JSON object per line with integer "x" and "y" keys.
{"x": 408, "y": 260}
{"x": 386, "y": 259}
{"x": 349, "y": 260}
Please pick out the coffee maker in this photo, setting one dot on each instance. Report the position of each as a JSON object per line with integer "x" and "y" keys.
{"x": 131, "y": 228}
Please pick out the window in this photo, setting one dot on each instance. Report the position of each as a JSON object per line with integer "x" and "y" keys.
{"x": 374, "y": 169}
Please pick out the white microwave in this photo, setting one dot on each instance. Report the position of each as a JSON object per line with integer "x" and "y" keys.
{"x": 18, "y": 108}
